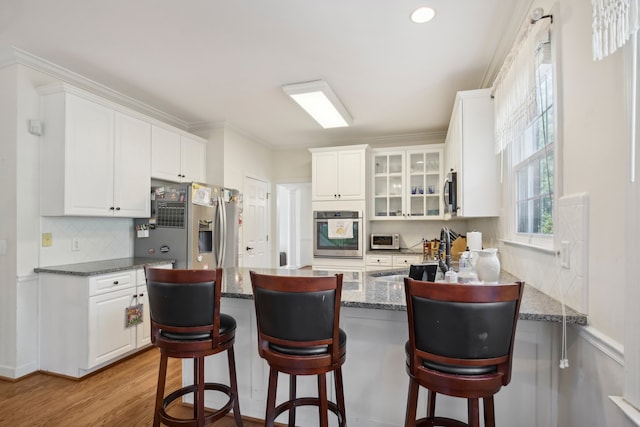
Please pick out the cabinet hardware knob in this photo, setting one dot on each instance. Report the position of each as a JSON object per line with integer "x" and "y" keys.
{"x": 249, "y": 248}
{"x": 118, "y": 208}
{"x": 115, "y": 282}
{"x": 112, "y": 208}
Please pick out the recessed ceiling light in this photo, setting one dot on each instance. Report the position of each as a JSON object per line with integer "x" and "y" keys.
{"x": 422, "y": 15}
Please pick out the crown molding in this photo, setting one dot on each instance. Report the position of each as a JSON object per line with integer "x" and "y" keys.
{"x": 15, "y": 55}
{"x": 509, "y": 35}
{"x": 200, "y": 127}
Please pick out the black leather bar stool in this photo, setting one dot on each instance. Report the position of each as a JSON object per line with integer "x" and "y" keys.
{"x": 186, "y": 323}
{"x": 299, "y": 334}
{"x": 460, "y": 344}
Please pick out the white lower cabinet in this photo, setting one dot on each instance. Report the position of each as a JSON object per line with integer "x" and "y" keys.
{"x": 379, "y": 262}
{"x": 83, "y": 320}
{"x": 108, "y": 335}
{"x": 406, "y": 260}
{"x": 386, "y": 262}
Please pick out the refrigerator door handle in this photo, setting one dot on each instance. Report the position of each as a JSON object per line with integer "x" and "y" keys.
{"x": 223, "y": 231}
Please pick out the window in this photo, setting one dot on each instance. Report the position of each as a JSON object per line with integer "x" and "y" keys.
{"x": 533, "y": 156}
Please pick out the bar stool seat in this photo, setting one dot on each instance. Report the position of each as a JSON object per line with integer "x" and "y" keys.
{"x": 299, "y": 334}
{"x": 186, "y": 323}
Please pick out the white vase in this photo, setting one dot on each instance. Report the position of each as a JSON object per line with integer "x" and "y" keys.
{"x": 488, "y": 265}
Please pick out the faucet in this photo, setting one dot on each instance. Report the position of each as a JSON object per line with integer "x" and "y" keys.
{"x": 445, "y": 246}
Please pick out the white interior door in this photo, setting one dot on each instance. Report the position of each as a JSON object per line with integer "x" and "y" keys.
{"x": 255, "y": 223}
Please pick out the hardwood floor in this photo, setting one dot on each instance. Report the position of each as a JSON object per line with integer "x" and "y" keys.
{"x": 121, "y": 396}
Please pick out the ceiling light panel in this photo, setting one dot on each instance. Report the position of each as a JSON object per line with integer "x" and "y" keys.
{"x": 320, "y": 102}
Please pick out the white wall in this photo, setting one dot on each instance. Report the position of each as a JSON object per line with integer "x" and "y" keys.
{"x": 592, "y": 146}
{"x": 8, "y": 224}
{"x": 245, "y": 157}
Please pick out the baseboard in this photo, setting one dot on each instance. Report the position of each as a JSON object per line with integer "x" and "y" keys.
{"x": 8, "y": 373}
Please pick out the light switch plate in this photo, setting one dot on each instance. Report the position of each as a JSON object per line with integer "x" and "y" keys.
{"x": 47, "y": 240}
{"x": 35, "y": 127}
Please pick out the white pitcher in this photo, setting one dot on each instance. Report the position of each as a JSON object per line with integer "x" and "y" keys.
{"x": 488, "y": 265}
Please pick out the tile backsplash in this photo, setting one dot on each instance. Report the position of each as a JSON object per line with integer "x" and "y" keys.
{"x": 544, "y": 269}
{"x": 97, "y": 238}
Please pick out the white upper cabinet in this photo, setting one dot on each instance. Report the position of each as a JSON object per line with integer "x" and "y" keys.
{"x": 132, "y": 166}
{"x": 176, "y": 157}
{"x": 471, "y": 153}
{"x": 339, "y": 173}
{"x": 407, "y": 182}
{"x": 95, "y": 160}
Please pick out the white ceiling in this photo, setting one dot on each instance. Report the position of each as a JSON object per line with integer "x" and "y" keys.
{"x": 208, "y": 62}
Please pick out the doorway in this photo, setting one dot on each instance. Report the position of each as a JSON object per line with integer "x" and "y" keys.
{"x": 294, "y": 225}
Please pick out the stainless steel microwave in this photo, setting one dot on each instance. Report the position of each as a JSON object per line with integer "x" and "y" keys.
{"x": 385, "y": 241}
{"x": 337, "y": 234}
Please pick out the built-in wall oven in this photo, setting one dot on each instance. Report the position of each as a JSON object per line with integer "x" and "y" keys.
{"x": 337, "y": 234}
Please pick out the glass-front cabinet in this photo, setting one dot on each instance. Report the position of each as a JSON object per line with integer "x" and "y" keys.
{"x": 407, "y": 183}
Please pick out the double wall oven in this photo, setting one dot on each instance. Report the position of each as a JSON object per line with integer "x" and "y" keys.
{"x": 337, "y": 234}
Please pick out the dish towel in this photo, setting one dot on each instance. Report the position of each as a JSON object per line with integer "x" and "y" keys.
{"x": 340, "y": 228}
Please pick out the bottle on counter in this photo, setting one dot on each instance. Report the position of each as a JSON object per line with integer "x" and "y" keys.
{"x": 451, "y": 276}
{"x": 467, "y": 273}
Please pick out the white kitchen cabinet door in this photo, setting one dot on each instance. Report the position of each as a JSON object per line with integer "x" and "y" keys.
{"x": 351, "y": 174}
{"x": 339, "y": 174}
{"x": 143, "y": 330}
{"x": 89, "y": 157}
{"x": 77, "y": 157}
{"x": 192, "y": 160}
{"x": 165, "y": 154}
{"x": 109, "y": 337}
{"x": 132, "y": 167}
{"x": 324, "y": 176}
{"x": 175, "y": 157}
{"x": 388, "y": 184}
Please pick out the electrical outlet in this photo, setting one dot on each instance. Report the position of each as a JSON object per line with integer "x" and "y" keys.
{"x": 75, "y": 244}
{"x": 565, "y": 255}
{"x": 47, "y": 240}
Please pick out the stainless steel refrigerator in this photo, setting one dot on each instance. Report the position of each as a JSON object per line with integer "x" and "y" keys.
{"x": 195, "y": 224}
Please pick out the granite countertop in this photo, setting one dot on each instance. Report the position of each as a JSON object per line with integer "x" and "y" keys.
{"x": 380, "y": 290}
{"x": 101, "y": 267}
{"x": 384, "y": 290}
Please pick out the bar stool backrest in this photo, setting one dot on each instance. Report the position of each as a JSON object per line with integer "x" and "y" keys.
{"x": 184, "y": 304}
{"x": 297, "y": 314}
{"x": 462, "y": 329}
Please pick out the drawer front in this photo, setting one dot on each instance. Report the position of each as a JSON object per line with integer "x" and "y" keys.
{"x": 111, "y": 282}
{"x": 379, "y": 260}
{"x": 406, "y": 260}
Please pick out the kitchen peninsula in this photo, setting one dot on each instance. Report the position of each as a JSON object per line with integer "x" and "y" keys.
{"x": 375, "y": 381}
